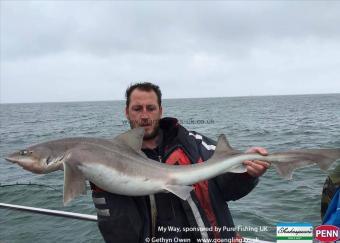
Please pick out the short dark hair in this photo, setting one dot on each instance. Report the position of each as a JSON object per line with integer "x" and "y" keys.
{"x": 144, "y": 86}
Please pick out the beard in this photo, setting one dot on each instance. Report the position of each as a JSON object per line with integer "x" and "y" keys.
{"x": 152, "y": 134}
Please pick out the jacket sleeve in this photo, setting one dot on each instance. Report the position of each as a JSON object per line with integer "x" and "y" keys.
{"x": 118, "y": 217}
{"x": 233, "y": 186}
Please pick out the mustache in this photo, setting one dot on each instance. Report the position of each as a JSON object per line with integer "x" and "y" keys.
{"x": 144, "y": 122}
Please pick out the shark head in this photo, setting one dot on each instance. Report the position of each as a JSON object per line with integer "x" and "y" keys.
{"x": 37, "y": 159}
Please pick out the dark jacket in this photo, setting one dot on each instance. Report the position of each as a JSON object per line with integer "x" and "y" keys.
{"x": 127, "y": 219}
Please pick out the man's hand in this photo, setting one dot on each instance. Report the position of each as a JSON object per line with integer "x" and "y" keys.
{"x": 256, "y": 168}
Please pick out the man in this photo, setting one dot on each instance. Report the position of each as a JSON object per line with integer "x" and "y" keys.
{"x": 330, "y": 199}
{"x": 138, "y": 219}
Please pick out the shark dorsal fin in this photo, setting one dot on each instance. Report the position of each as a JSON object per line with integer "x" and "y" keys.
{"x": 132, "y": 138}
{"x": 223, "y": 150}
{"x": 223, "y": 145}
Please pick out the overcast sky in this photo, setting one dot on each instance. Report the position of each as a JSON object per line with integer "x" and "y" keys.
{"x": 92, "y": 50}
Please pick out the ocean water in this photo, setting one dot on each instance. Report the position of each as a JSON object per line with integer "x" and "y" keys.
{"x": 274, "y": 122}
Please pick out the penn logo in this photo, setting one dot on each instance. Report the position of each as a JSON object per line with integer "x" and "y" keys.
{"x": 327, "y": 233}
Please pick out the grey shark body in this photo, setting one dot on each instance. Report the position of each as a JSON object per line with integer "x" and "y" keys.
{"x": 119, "y": 166}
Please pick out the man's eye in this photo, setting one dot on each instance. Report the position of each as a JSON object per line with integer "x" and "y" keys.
{"x": 137, "y": 109}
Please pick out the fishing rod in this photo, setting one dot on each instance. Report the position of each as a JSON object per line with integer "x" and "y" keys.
{"x": 31, "y": 184}
{"x": 57, "y": 213}
{"x": 26, "y": 184}
{"x": 87, "y": 217}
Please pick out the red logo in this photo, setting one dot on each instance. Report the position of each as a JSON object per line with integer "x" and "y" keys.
{"x": 327, "y": 233}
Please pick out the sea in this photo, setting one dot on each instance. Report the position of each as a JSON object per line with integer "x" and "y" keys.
{"x": 277, "y": 123}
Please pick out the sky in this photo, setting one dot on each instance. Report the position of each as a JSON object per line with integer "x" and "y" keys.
{"x": 55, "y": 51}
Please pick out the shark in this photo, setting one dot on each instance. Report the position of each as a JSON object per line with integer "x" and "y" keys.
{"x": 119, "y": 166}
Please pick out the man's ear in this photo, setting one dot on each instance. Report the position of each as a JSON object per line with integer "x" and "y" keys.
{"x": 161, "y": 111}
{"x": 127, "y": 112}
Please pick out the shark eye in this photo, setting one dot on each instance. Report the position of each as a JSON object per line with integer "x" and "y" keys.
{"x": 23, "y": 152}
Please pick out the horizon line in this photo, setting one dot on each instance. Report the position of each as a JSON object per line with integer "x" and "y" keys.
{"x": 214, "y": 97}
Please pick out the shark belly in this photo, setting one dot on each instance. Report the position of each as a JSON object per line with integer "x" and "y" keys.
{"x": 111, "y": 180}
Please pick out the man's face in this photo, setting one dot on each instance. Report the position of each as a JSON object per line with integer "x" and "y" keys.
{"x": 144, "y": 111}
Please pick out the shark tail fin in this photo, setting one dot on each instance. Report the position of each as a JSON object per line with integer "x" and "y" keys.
{"x": 329, "y": 157}
{"x": 74, "y": 183}
{"x": 324, "y": 158}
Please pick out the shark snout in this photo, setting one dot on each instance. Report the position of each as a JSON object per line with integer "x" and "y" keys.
{"x": 12, "y": 158}
{"x": 28, "y": 163}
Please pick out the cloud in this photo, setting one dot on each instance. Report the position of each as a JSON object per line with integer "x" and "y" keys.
{"x": 86, "y": 50}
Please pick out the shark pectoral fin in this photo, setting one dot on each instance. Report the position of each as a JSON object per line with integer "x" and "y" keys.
{"x": 182, "y": 192}
{"x": 238, "y": 169}
{"x": 74, "y": 183}
{"x": 132, "y": 138}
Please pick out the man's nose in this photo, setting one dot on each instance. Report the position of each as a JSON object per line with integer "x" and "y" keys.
{"x": 144, "y": 114}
